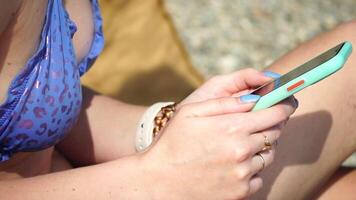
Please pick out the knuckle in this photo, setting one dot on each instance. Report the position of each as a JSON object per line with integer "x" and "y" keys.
{"x": 244, "y": 190}
{"x": 214, "y": 79}
{"x": 281, "y": 125}
{"x": 184, "y": 109}
{"x": 281, "y": 113}
{"x": 221, "y": 102}
{"x": 221, "y": 128}
{"x": 249, "y": 70}
{"x": 228, "y": 151}
{"x": 226, "y": 103}
{"x": 244, "y": 123}
{"x": 272, "y": 155}
{"x": 243, "y": 153}
{"x": 259, "y": 185}
{"x": 269, "y": 157}
{"x": 277, "y": 134}
{"x": 242, "y": 173}
{"x": 232, "y": 129}
{"x": 274, "y": 134}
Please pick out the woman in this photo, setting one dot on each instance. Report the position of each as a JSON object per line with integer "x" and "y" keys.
{"x": 212, "y": 144}
{"x": 43, "y": 103}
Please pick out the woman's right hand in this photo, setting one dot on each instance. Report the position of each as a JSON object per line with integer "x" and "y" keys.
{"x": 208, "y": 150}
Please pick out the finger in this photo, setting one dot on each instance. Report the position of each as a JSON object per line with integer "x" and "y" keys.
{"x": 248, "y": 78}
{"x": 261, "y": 161}
{"x": 257, "y": 140}
{"x": 240, "y": 80}
{"x": 252, "y": 86}
{"x": 242, "y": 92}
{"x": 221, "y": 106}
{"x": 264, "y": 119}
{"x": 272, "y": 75}
{"x": 256, "y": 184}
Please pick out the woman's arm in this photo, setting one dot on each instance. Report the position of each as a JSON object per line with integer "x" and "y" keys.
{"x": 202, "y": 139}
{"x": 122, "y": 179}
{"x": 105, "y": 130}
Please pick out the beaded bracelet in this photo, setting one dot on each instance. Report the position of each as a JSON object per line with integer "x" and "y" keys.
{"x": 163, "y": 117}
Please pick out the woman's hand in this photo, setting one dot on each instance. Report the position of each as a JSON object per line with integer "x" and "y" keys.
{"x": 233, "y": 84}
{"x": 208, "y": 150}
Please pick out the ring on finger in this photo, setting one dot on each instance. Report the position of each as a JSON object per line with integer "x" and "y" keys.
{"x": 263, "y": 161}
{"x": 267, "y": 143}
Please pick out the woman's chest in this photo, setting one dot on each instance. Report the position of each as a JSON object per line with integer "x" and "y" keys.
{"x": 44, "y": 98}
{"x": 20, "y": 29}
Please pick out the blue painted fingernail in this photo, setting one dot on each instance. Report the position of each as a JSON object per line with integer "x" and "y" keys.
{"x": 271, "y": 74}
{"x": 250, "y": 98}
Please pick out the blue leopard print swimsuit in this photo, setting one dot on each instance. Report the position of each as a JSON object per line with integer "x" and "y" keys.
{"x": 44, "y": 99}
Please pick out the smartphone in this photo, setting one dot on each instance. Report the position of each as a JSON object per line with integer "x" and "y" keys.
{"x": 303, "y": 76}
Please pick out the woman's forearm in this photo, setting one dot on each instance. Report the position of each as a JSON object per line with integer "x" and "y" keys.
{"x": 105, "y": 131}
{"x": 121, "y": 179}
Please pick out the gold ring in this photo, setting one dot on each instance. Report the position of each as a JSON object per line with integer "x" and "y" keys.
{"x": 263, "y": 161}
{"x": 268, "y": 144}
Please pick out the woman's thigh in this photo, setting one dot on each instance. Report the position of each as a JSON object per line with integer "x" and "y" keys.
{"x": 341, "y": 186}
{"x": 322, "y": 133}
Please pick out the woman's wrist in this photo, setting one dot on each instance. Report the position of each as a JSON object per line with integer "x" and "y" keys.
{"x": 151, "y": 123}
{"x": 147, "y": 177}
{"x": 158, "y": 177}
{"x": 131, "y": 178}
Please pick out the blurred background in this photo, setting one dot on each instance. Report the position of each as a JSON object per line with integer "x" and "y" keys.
{"x": 225, "y": 35}
{"x": 159, "y": 50}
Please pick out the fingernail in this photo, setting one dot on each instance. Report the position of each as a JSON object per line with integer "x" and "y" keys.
{"x": 250, "y": 98}
{"x": 271, "y": 74}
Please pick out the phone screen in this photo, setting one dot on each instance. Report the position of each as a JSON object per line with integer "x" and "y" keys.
{"x": 302, "y": 69}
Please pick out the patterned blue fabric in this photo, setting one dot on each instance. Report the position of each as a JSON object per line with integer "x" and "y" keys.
{"x": 44, "y": 99}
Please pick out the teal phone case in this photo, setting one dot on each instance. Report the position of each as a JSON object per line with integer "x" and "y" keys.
{"x": 309, "y": 78}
